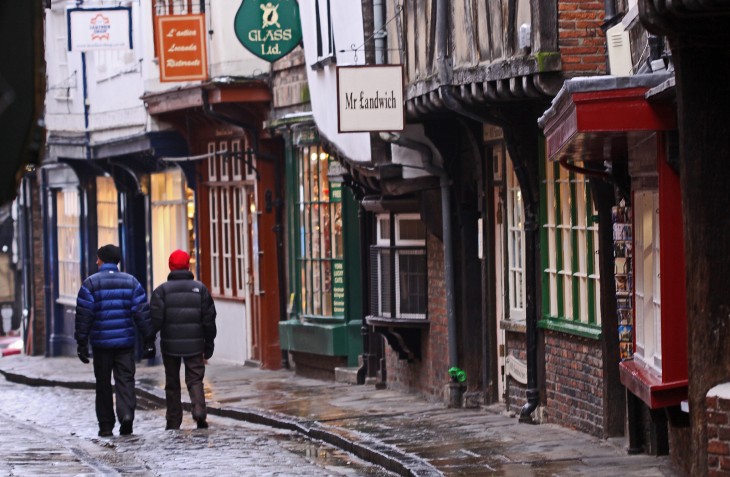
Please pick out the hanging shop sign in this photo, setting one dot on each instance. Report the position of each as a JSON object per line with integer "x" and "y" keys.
{"x": 182, "y": 50}
{"x": 270, "y": 29}
{"x": 96, "y": 29}
{"x": 370, "y": 98}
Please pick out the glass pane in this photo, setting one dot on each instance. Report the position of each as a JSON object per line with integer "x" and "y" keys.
{"x": 412, "y": 283}
{"x": 337, "y": 250}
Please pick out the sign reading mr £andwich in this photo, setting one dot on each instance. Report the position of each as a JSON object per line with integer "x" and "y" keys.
{"x": 370, "y": 98}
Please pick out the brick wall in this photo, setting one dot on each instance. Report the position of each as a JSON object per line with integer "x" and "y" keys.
{"x": 428, "y": 377}
{"x": 581, "y": 41}
{"x": 290, "y": 85}
{"x": 574, "y": 382}
{"x": 718, "y": 431}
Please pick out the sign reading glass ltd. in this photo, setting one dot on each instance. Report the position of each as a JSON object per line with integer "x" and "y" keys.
{"x": 270, "y": 29}
{"x": 181, "y": 42}
{"x": 370, "y": 98}
{"x": 95, "y": 29}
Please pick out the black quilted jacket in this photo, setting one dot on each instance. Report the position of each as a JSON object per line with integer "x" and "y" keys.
{"x": 183, "y": 311}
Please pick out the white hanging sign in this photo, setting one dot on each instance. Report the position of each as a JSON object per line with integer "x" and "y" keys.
{"x": 370, "y": 98}
{"x": 95, "y": 29}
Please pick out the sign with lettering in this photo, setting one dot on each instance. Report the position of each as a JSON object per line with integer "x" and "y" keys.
{"x": 370, "y": 98}
{"x": 96, "y": 29}
{"x": 182, "y": 51}
{"x": 338, "y": 288}
{"x": 270, "y": 29}
{"x": 516, "y": 368}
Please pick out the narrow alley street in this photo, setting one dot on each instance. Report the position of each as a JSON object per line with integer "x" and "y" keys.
{"x": 52, "y": 431}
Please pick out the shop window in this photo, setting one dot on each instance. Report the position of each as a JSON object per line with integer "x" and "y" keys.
{"x": 516, "y": 246}
{"x": 107, "y": 217}
{"x": 68, "y": 213}
{"x": 398, "y": 262}
{"x": 647, "y": 274}
{"x": 570, "y": 253}
{"x": 171, "y": 220}
{"x": 320, "y": 254}
{"x": 232, "y": 221}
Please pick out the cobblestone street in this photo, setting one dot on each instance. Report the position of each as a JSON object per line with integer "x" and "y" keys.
{"x": 52, "y": 431}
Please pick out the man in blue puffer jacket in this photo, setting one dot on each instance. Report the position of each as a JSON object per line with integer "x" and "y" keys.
{"x": 109, "y": 305}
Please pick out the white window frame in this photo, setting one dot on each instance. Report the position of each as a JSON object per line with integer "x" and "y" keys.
{"x": 381, "y": 221}
{"x": 647, "y": 289}
{"x": 515, "y": 246}
{"x": 568, "y": 192}
{"x": 68, "y": 214}
{"x": 214, "y": 237}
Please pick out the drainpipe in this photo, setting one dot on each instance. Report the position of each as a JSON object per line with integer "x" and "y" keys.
{"x": 449, "y": 100}
{"x": 379, "y": 31}
{"x": 610, "y": 9}
{"x": 278, "y": 206}
{"x": 455, "y": 387}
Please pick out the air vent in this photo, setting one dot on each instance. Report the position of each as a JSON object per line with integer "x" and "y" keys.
{"x": 619, "y": 51}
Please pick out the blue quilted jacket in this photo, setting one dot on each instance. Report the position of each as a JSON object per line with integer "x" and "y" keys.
{"x": 109, "y": 305}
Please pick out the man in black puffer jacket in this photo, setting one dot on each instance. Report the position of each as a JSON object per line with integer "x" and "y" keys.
{"x": 184, "y": 313}
{"x": 109, "y": 305}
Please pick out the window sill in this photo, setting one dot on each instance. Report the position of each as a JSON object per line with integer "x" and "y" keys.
{"x": 648, "y": 386}
{"x": 571, "y": 327}
{"x": 323, "y": 62}
{"x": 397, "y": 322}
{"x": 513, "y": 326}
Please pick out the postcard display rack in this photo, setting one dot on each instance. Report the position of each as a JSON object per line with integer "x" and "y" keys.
{"x": 623, "y": 260}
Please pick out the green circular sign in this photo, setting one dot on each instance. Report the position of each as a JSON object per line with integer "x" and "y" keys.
{"x": 269, "y": 29}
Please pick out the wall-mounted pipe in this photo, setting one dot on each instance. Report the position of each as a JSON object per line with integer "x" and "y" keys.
{"x": 445, "y": 183}
{"x": 450, "y": 101}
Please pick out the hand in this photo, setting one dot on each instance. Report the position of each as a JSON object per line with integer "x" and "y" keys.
{"x": 208, "y": 353}
{"x": 83, "y": 352}
{"x": 149, "y": 350}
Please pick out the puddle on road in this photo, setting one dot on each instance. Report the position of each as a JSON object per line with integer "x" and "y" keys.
{"x": 326, "y": 456}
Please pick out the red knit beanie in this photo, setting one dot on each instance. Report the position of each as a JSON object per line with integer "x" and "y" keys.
{"x": 179, "y": 260}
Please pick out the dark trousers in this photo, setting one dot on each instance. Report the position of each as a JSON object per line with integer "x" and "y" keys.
{"x": 194, "y": 374}
{"x": 120, "y": 363}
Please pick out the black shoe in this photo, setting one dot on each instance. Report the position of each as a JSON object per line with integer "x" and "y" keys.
{"x": 125, "y": 427}
{"x": 172, "y": 427}
{"x": 105, "y": 433}
{"x": 202, "y": 423}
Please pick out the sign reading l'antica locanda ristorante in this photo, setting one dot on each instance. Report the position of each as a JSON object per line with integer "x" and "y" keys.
{"x": 270, "y": 29}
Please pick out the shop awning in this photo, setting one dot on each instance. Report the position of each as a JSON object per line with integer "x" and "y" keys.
{"x": 593, "y": 117}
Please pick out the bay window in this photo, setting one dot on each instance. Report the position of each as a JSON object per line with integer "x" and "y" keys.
{"x": 570, "y": 254}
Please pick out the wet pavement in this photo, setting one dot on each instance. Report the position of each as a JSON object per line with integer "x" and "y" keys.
{"x": 401, "y": 432}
